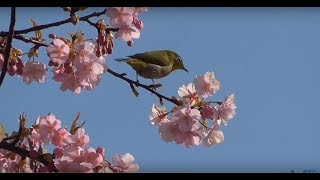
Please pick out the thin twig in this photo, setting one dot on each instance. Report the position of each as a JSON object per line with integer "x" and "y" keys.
{"x": 29, "y": 40}
{"x": 8, "y": 45}
{"x": 91, "y": 23}
{"x": 45, "y": 26}
{"x": 148, "y": 88}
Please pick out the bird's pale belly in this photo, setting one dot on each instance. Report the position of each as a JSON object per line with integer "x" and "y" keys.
{"x": 155, "y": 72}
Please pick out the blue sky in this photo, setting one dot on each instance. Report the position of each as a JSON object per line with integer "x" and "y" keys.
{"x": 268, "y": 57}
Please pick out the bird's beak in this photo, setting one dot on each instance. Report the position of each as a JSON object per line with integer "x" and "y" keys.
{"x": 185, "y": 69}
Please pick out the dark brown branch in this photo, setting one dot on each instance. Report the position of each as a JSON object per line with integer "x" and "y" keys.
{"x": 45, "y": 26}
{"x": 25, "y": 153}
{"x": 97, "y": 26}
{"x": 9, "y": 45}
{"x": 29, "y": 40}
{"x": 148, "y": 88}
{"x": 91, "y": 23}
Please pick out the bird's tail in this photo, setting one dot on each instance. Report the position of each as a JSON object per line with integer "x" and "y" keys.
{"x": 121, "y": 59}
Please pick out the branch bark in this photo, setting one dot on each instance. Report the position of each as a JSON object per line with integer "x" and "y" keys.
{"x": 148, "y": 88}
{"x": 25, "y": 153}
{"x": 8, "y": 45}
{"x": 45, "y": 26}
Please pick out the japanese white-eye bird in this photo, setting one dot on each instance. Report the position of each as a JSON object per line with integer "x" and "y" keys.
{"x": 154, "y": 64}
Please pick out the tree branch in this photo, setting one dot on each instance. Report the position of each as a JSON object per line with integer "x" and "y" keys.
{"x": 148, "y": 88}
{"x": 29, "y": 40}
{"x": 91, "y": 23}
{"x": 45, "y": 26}
{"x": 8, "y": 45}
{"x": 23, "y": 152}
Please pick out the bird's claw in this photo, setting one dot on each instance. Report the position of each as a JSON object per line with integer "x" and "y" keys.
{"x": 155, "y": 86}
{"x": 137, "y": 83}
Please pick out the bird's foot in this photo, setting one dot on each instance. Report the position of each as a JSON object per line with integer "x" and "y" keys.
{"x": 155, "y": 86}
{"x": 137, "y": 82}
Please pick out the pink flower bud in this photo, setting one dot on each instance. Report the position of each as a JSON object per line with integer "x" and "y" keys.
{"x": 98, "y": 53}
{"x": 139, "y": 24}
{"x": 12, "y": 70}
{"x": 12, "y": 63}
{"x": 20, "y": 63}
{"x": 104, "y": 50}
{"x": 68, "y": 70}
{"x": 109, "y": 50}
{"x": 207, "y": 112}
{"x": 101, "y": 151}
{"x": 130, "y": 43}
{"x": 52, "y": 36}
{"x": 19, "y": 71}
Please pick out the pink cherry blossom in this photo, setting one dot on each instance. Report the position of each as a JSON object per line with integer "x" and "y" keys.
{"x": 226, "y": 110}
{"x": 90, "y": 73}
{"x": 63, "y": 164}
{"x": 170, "y": 132}
{"x": 47, "y": 126}
{"x": 206, "y": 85}
{"x": 105, "y": 169}
{"x": 139, "y": 10}
{"x": 127, "y": 33}
{"x": 120, "y": 16}
{"x": 158, "y": 115}
{"x": 72, "y": 151}
{"x": 81, "y": 139}
{"x": 90, "y": 68}
{"x": 138, "y": 23}
{"x": 62, "y": 137}
{"x": 215, "y": 136}
{"x": 34, "y": 71}
{"x": 101, "y": 151}
{"x": 85, "y": 52}
{"x": 58, "y": 51}
{"x": 35, "y": 135}
{"x": 91, "y": 156}
{"x": 188, "y": 94}
{"x": 125, "y": 162}
{"x": 187, "y": 119}
{"x": 3, "y": 160}
{"x": 192, "y": 138}
{"x": 83, "y": 167}
{"x": 208, "y": 112}
{"x": 69, "y": 81}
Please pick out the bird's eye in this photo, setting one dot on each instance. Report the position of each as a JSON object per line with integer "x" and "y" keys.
{"x": 179, "y": 59}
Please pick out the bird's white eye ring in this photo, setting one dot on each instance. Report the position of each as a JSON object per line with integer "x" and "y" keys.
{"x": 178, "y": 59}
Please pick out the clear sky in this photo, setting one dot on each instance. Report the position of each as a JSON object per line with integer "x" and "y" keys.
{"x": 268, "y": 57}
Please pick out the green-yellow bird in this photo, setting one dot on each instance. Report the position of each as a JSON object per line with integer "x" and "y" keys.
{"x": 154, "y": 64}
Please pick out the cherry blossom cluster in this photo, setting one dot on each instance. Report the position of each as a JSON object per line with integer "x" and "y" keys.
{"x": 71, "y": 152}
{"x": 196, "y": 121}
{"x": 77, "y": 64}
{"x": 16, "y": 66}
{"x": 123, "y": 18}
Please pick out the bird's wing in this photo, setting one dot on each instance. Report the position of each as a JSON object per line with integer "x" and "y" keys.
{"x": 160, "y": 58}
